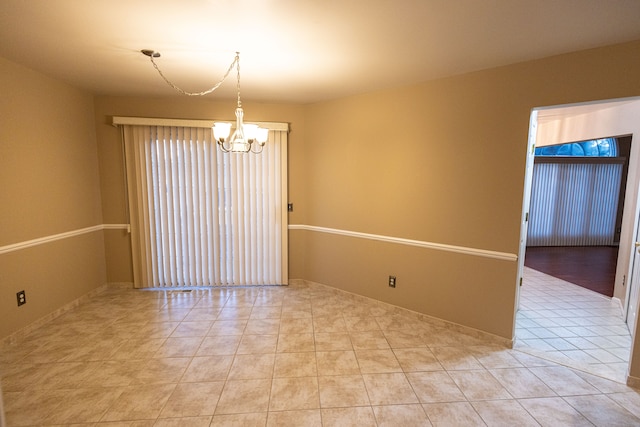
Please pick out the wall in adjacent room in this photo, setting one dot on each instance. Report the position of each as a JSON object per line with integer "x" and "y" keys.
{"x": 49, "y": 185}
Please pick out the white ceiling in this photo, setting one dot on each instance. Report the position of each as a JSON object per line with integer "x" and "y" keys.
{"x": 297, "y": 50}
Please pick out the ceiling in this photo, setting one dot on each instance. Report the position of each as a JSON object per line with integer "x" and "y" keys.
{"x": 299, "y": 51}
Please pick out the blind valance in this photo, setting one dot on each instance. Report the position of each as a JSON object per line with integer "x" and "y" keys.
{"x": 192, "y": 123}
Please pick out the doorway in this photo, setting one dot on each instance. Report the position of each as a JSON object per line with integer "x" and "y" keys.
{"x": 576, "y": 211}
{"x": 579, "y": 122}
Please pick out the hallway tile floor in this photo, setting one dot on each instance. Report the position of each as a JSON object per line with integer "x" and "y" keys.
{"x": 572, "y": 325}
{"x": 302, "y": 355}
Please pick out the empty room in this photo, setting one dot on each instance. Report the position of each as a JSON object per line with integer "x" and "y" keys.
{"x": 270, "y": 213}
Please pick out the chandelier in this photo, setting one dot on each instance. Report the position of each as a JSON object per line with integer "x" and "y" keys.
{"x": 246, "y": 137}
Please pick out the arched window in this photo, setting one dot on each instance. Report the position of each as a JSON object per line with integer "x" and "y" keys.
{"x": 603, "y": 147}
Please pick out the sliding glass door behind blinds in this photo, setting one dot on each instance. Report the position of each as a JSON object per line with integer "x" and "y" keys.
{"x": 574, "y": 204}
{"x": 201, "y": 217}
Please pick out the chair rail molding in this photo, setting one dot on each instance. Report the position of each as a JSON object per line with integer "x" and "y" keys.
{"x": 504, "y": 256}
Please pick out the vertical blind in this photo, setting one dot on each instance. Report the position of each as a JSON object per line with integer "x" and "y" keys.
{"x": 200, "y": 217}
{"x": 574, "y": 204}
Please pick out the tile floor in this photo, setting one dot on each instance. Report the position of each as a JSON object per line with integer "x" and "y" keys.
{"x": 572, "y": 325}
{"x": 302, "y": 355}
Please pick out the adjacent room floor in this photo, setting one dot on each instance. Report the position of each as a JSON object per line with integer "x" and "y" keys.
{"x": 567, "y": 323}
{"x": 302, "y": 355}
{"x": 592, "y": 267}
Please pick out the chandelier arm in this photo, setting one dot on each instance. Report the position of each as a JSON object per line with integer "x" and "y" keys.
{"x": 256, "y": 151}
{"x": 222, "y": 147}
{"x": 236, "y": 63}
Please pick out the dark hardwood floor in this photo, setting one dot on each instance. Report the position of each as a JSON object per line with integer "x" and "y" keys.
{"x": 592, "y": 267}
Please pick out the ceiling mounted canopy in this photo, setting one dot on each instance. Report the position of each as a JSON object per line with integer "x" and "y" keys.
{"x": 246, "y": 137}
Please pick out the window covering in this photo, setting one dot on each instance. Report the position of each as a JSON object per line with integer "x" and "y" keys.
{"x": 200, "y": 217}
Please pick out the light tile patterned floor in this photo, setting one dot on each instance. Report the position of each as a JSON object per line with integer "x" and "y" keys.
{"x": 303, "y": 355}
{"x": 572, "y": 325}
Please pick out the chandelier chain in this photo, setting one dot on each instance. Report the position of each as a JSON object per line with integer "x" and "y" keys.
{"x": 246, "y": 138}
{"x": 235, "y": 63}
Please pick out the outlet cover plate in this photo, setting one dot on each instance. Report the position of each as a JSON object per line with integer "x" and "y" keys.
{"x": 22, "y": 298}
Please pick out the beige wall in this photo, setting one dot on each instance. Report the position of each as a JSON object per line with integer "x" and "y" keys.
{"x": 49, "y": 185}
{"x": 117, "y": 243}
{"x": 440, "y": 162}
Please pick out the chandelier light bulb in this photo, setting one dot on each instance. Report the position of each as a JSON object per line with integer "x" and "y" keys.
{"x": 221, "y": 131}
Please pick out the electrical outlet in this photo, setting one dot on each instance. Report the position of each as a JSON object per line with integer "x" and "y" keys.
{"x": 392, "y": 281}
{"x": 22, "y": 298}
